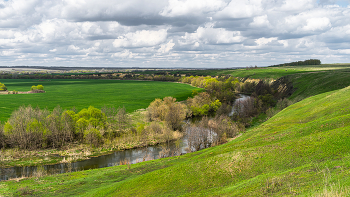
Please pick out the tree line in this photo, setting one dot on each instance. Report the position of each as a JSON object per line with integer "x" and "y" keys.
{"x": 300, "y": 63}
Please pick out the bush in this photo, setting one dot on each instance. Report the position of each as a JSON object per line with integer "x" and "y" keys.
{"x": 38, "y": 88}
{"x": 93, "y": 136}
{"x": 3, "y": 87}
{"x": 202, "y": 104}
{"x": 168, "y": 110}
{"x": 25, "y": 129}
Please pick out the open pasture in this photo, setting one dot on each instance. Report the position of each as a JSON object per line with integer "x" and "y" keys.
{"x": 277, "y": 72}
{"x": 83, "y": 93}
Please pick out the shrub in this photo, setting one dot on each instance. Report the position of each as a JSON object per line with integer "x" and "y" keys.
{"x": 25, "y": 129}
{"x": 168, "y": 110}
{"x": 38, "y": 88}
{"x": 202, "y": 104}
{"x": 3, "y": 87}
{"x": 93, "y": 136}
{"x": 33, "y": 88}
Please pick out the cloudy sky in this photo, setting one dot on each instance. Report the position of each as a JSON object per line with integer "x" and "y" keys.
{"x": 173, "y": 33}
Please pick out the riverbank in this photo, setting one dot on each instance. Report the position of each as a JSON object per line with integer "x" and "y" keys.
{"x": 75, "y": 152}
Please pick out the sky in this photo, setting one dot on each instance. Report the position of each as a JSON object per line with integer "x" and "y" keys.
{"x": 173, "y": 33}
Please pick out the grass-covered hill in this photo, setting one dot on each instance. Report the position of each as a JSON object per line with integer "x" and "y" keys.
{"x": 303, "y": 150}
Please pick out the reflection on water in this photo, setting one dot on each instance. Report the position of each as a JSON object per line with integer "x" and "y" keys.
{"x": 132, "y": 156}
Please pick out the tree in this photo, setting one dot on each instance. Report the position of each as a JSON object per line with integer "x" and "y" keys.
{"x": 168, "y": 110}
{"x": 40, "y": 87}
{"x": 3, "y": 87}
{"x": 33, "y": 88}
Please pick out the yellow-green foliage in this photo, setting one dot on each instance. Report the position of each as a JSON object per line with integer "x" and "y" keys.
{"x": 168, "y": 110}
{"x": 3, "y": 87}
{"x": 40, "y": 87}
{"x": 93, "y": 116}
{"x": 36, "y": 88}
{"x": 202, "y": 104}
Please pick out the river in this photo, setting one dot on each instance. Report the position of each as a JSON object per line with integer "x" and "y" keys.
{"x": 132, "y": 156}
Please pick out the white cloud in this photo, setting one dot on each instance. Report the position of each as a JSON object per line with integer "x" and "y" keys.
{"x": 124, "y": 54}
{"x": 298, "y": 5}
{"x": 264, "y": 41}
{"x": 316, "y": 24}
{"x": 211, "y": 35}
{"x": 156, "y": 32}
{"x": 191, "y": 7}
{"x": 142, "y": 38}
{"x": 165, "y": 48}
{"x": 241, "y": 9}
{"x": 344, "y": 51}
{"x": 260, "y": 21}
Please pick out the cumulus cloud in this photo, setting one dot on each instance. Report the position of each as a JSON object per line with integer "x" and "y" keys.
{"x": 211, "y": 35}
{"x": 316, "y": 24}
{"x": 165, "y": 48}
{"x": 124, "y": 54}
{"x": 194, "y": 33}
{"x": 191, "y": 7}
{"x": 260, "y": 21}
{"x": 142, "y": 38}
{"x": 241, "y": 9}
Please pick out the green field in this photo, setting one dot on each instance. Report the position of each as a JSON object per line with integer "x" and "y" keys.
{"x": 83, "y": 93}
{"x": 277, "y": 72}
{"x": 303, "y": 150}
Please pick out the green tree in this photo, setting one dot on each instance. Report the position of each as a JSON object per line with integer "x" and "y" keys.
{"x": 3, "y": 87}
{"x": 40, "y": 87}
{"x": 33, "y": 88}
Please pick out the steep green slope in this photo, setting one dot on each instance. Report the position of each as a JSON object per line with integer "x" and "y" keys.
{"x": 310, "y": 84}
{"x": 303, "y": 150}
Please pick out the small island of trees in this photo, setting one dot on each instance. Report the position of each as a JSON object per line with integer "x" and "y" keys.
{"x": 33, "y": 89}
{"x": 37, "y": 89}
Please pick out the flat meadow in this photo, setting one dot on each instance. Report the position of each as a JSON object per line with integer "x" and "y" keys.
{"x": 81, "y": 94}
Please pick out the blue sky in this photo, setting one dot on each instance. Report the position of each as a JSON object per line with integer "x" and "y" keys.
{"x": 173, "y": 33}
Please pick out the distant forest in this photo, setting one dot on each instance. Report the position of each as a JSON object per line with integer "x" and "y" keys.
{"x": 300, "y": 63}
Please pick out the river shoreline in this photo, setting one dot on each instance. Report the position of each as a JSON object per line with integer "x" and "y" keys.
{"x": 72, "y": 152}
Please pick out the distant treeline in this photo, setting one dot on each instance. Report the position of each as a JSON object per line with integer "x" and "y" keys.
{"x": 300, "y": 63}
{"x": 153, "y": 75}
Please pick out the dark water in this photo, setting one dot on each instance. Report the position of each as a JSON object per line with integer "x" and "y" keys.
{"x": 132, "y": 156}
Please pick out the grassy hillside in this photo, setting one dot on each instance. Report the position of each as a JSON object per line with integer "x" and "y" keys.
{"x": 83, "y": 93}
{"x": 309, "y": 84}
{"x": 303, "y": 150}
{"x": 277, "y": 72}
